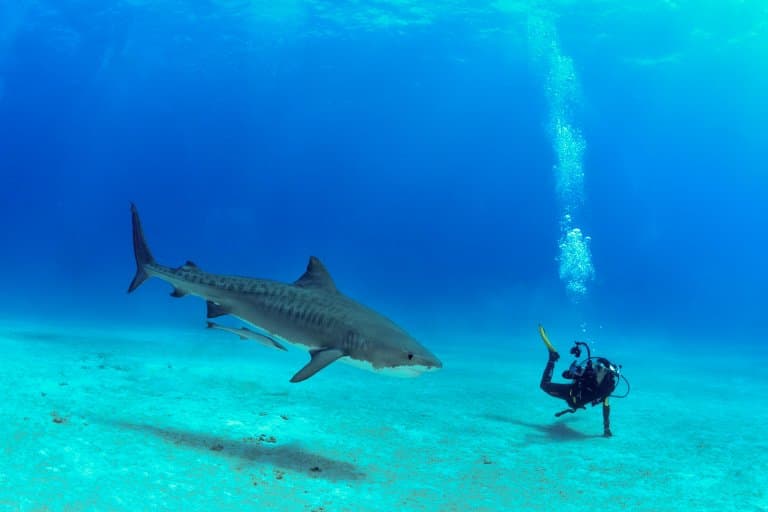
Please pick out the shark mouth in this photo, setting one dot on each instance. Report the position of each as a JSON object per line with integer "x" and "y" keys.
{"x": 406, "y": 371}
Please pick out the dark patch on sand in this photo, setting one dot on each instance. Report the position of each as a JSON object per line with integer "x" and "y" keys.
{"x": 286, "y": 457}
{"x": 558, "y": 430}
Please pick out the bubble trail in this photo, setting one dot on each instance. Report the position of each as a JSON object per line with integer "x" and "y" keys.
{"x": 563, "y": 94}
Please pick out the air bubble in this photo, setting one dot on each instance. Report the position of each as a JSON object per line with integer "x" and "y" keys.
{"x": 563, "y": 95}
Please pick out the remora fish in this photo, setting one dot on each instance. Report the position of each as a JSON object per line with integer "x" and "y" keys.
{"x": 310, "y": 313}
{"x": 245, "y": 333}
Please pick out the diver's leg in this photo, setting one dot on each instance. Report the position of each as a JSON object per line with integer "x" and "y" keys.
{"x": 546, "y": 377}
{"x": 556, "y": 390}
{"x": 607, "y": 418}
{"x": 550, "y": 388}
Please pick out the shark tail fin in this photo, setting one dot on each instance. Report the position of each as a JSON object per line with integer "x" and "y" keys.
{"x": 140, "y": 251}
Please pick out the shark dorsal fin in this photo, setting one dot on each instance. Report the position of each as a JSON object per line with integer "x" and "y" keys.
{"x": 316, "y": 276}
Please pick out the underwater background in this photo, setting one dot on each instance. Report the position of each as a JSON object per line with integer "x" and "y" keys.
{"x": 470, "y": 169}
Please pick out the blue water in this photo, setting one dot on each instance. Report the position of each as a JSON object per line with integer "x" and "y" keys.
{"x": 414, "y": 155}
{"x": 475, "y": 167}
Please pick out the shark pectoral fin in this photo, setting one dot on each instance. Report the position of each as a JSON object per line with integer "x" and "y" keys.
{"x": 216, "y": 310}
{"x": 320, "y": 359}
{"x": 178, "y": 292}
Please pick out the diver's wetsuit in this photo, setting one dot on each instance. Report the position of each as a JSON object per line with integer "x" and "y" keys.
{"x": 582, "y": 391}
{"x": 556, "y": 390}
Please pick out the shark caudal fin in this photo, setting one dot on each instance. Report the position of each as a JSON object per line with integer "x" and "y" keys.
{"x": 140, "y": 251}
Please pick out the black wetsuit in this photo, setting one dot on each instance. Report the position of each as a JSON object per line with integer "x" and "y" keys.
{"x": 584, "y": 389}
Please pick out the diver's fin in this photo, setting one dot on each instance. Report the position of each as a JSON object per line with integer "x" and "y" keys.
{"x": 545, "y": 339}
{"x": 320, "y": 359}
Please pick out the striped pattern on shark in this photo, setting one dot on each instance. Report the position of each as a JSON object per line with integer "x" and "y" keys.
{"x": 310, "y": 313}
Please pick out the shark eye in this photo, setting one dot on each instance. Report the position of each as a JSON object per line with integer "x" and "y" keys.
{"x": 410, "y": 356}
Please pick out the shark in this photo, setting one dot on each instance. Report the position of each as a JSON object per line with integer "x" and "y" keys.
{"x": 309, "y": 313}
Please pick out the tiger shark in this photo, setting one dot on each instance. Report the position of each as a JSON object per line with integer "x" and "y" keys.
{"x": 310, "y": 313}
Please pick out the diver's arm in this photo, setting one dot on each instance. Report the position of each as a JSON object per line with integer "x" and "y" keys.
{"x": 606, "y": 418}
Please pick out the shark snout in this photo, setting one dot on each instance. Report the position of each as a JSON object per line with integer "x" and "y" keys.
{"x": 428, "y": 361}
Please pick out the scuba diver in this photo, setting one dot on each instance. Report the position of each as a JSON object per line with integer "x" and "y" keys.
{"x": 594, "y": 379}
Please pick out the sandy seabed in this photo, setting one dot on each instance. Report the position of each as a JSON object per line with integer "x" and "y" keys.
{"x": 199, "y": 420}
